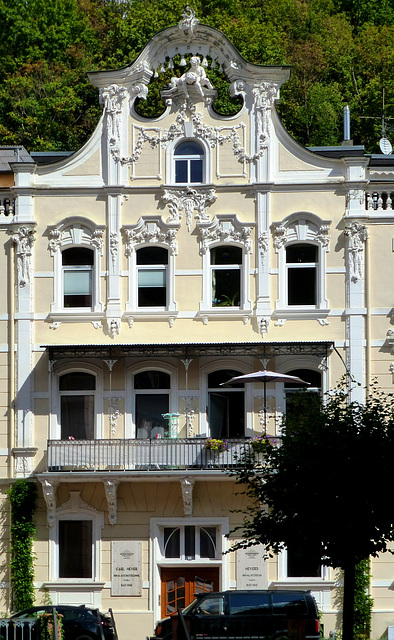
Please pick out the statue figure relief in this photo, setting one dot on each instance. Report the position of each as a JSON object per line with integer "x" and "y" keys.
{"x": 193, "y": 79}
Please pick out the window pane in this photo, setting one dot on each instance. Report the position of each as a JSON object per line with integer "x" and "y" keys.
{"x": 249, "y": 603}
{"x": 152, "y": 297}
{"x": 190, "y": 543}
{"x": 195, "y": 170}
{"x": 180, "y": 170}
{"x": 78, "y": 282}
{"x": 77, "y": 417}
{"x": 208, "y": 542}
{"x": 149, "y": 419}
{"x": 226, "y": 254}
{"x": 189, "y": 148}
{"x": 152, "y": 380}
{"x": 77, "y": 381}
{"x": 152, "y": 278}
{"x": 302, "y": 286}
{"x": 172, "y": 542}
{"x": 301, "y": 253}
{"x": 152, "y": 255}
{"x": 226, "y": 286}
{"x": 77, "y": 256}
{"x": 288, "y": 603}
{"x": 216, "y": 378}
{"x": 302, "y": 564}
{"x": 75, "y": 549}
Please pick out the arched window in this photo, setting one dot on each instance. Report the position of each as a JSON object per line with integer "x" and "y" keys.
{"x": 77, "y": 410}
{"x": 152, "y": 265}
{"x": 189, "y": 163}
{"x": 151, "y": 391}
{"x": 77, "y": 267}
{"x": 226, "y": 264}
{"x": 226, "y": 406}
{"x": 302, "y": 261}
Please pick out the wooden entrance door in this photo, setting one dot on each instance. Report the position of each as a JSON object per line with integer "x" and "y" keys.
{"x": 178, "y": 586}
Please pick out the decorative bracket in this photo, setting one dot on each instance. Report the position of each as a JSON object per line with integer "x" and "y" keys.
{"x": 110, "y": 487}
{"x": 187, "y": 485}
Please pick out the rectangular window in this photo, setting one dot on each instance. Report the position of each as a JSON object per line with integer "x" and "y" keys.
{"x": 152, "y": 288}
{"x": 78, "y": 288}
{"x": 226, "y": 262}
{"x": 301, "y": 263}
{"x": 75, "y": 549}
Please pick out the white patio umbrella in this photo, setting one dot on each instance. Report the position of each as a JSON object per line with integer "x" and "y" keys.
{"x": 264, "y": 377}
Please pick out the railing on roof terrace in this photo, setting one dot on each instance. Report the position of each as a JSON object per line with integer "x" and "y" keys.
{"x": 142, "y": 455}
{"x": 379, "y": 200}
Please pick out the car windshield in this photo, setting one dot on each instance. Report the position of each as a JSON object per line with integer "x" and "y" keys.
{"x": 190, "y": 606}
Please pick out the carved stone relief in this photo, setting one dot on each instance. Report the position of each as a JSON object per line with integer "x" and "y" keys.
{"x": 188, "y": 200}
{"x": 152, "y": 230}
{"x": 24, "y": 239}
{"x": 225, "y": 230}
{"x": 356, "y": 234}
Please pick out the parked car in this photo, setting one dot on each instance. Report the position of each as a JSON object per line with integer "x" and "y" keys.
{"x": 79, "y": 623}
{"x": 246, "y": 614}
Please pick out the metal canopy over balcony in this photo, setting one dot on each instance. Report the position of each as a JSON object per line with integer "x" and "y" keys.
{"x": 261, "y": 350}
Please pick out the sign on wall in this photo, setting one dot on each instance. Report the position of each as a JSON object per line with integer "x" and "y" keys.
{"x": 126, "y": 568}
{"x": 251, "y": 568}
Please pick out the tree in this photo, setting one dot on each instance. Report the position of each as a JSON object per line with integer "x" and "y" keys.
{"x": 320, "y": 491}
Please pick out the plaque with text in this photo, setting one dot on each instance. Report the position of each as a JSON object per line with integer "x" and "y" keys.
{"x": 126, "y": 568}
{"x": 251, "y": 568}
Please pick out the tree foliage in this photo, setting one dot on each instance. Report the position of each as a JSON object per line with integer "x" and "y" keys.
{"x": 320, "y": 491}
{"x": 340, "y": 53}
{"x": 321, "y": 488}
{"x": 22, "y": 496}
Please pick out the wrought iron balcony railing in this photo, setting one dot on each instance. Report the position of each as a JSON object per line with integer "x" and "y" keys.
{"x": 141, "y": 455}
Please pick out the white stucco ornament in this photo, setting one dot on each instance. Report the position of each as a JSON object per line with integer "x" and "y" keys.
{"x": 188, "y": 23}
{"x": 356, "y": 234}
{"x": 194, "y": 83}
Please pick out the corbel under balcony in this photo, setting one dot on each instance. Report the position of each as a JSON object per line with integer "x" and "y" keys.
{"x": 49, "y": 488}
{"x": 187, "y": 485}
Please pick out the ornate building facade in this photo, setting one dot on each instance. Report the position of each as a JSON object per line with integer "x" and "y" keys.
{"x": 141, "y": 272}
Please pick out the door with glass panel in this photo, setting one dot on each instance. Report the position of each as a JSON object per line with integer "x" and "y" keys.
{"x": 188, "y": 544}
{"x": 178, "y": 586}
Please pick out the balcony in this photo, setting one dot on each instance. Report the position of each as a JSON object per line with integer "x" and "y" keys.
{"x": 141, "y": 455}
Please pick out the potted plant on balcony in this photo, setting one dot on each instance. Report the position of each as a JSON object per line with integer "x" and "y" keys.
{"x": 214, "y": 444}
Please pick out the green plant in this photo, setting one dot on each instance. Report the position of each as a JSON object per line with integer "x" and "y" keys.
{"x": 214, "y": 444}
{"x": 47, "y": 626}
{"x": 363, "y": 602}
{"x": 22, "y": 496}
{"x": 226, "y": 301}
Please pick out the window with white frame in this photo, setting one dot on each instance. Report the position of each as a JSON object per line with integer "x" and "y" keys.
{"x": 152, "y": 265}
{"x": 76, "y": 246}
{"x": 302, "y": 262}
{"x": 77, "y": 268}
{"x": 75, "y": 543}
{"x": 77, "y": 411}
{"x": 189, "y": 160}
{"x": 302, "y": 242}
{"x": 226, "y": 265}
{"x": 152, "y": 398}
{"x": 191, "y": 542}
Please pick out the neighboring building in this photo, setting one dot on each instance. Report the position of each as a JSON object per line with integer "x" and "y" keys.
{"x": 140, "y": 273}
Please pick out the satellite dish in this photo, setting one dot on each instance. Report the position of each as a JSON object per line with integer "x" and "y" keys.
{"x": 385, "y": 146}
